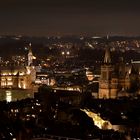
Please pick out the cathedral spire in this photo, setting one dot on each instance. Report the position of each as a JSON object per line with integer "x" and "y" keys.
{"x": 30, "y": 56}
{"x": 107, "y": 58}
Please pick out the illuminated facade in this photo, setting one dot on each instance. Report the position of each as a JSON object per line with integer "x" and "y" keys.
{"x": 44, "y": 78}
{"x": 98, "y": 121}
{"x": 30, "y": 56}
{"x": 114, "y": 78}
{"x": 18, "y": 76}
{"x": 89, "y": 75}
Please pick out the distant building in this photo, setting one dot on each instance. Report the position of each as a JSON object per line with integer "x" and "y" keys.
{"x": 19, "y": 60}
{"x": 89, "y": 75}
{"x": 44, "y": 78}
{"x": 115, "y": 78}
{"x": 18, "y": 76}
{"x": 137, "y": 65}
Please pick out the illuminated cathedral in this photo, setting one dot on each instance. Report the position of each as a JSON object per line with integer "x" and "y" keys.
{"x": 116, "y": 80}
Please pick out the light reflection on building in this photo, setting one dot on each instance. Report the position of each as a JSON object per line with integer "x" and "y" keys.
{"x": 98, "y": 121}
{"x": 74, "y": 88}
{"x": 8, "y": 96}
{"x": 89, "y": 75}
{"x": 19, "y": 77}
{"x": 43, "y": 78}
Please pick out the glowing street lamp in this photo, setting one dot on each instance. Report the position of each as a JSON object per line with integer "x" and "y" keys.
{"x": 63, "y": 53}
{"x": 68, "y": 52}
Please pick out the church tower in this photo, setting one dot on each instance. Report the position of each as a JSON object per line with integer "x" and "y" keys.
{"x": 105, "y": 82}
{"x": 30, "y": 56}
{"x": 134, "y": 79}
{"x": 30, "y": 68}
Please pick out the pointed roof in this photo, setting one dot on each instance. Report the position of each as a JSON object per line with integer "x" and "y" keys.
{"x": 30, "y": 48}
{"x": 30, "y": 51}
{"x": 134, "y": 70}
{"x": 107, "y": 58}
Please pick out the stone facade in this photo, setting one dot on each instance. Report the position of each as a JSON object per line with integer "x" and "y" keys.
{"x": 13, "y": 76}
{"x": 114, "y": 77}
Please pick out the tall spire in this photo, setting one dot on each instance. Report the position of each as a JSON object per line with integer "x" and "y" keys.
{"x": 107, "y": 58}
{"x": 30, "y": 56}
{"x": 107, "y": 37}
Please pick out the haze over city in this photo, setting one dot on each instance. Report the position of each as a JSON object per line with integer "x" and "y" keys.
{"x": 69, "y": 70}
{"x": 69, "y": 17}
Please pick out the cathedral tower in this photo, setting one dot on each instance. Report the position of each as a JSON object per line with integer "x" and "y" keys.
{"x": 106, "y": 88}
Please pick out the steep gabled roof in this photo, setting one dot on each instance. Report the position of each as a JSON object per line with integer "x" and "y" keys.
{"x": 107, "y": 57}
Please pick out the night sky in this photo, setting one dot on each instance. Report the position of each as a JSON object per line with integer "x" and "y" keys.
{"x": 69, "y": 17}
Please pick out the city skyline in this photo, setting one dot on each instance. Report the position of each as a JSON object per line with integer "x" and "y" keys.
{"x": 80, "y": 17}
